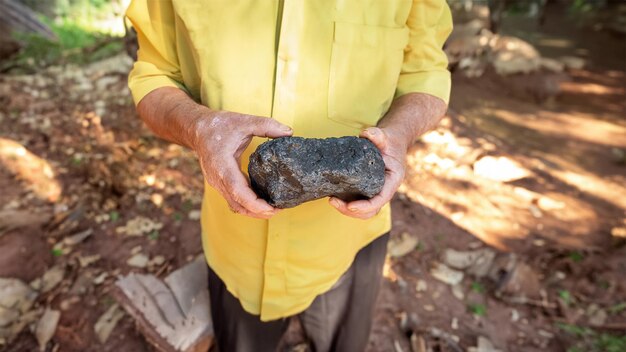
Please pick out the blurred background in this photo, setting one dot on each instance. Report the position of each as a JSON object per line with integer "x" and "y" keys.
{"x": 509, "y": 231}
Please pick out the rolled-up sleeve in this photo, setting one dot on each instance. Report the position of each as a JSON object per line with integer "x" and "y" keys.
{"x": 157, "y": 61}
{"x": 425, "y": 66}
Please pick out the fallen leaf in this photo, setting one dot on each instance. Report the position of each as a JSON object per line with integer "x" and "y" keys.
{"x": 8, "y": 315}
{"x": 50, "y": 279}
{"x": 457, "y": 291}
{"x": 15, "y": 294}
{"x": 418, "y": 343}
{"x": 138, "y": 226}
{"x": 46, "y": 326}
{"x": 88, "y": 260}
{"x": 77, "y": 238}
{"x": 421, "y": 286}
{"x": 8, "y": 333}
{"x": 483, "y": 345}
{"x": 107, "y": 322}
{"x": 476, "y": 262}
{"x": 402, "y": 246}
{"x": 445, "y": 274}
{"x": 100, "y": 278}
{"x": 455, "y": 323}
{"x": 139, "y": 260}
{"x": 156, "y": 261}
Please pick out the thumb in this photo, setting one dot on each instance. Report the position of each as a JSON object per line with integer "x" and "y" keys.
{"x": 268, "y": 127}
{"x": 377, "y": 136}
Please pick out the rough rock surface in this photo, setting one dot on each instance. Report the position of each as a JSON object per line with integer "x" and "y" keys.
{"x": 292, "y": 170}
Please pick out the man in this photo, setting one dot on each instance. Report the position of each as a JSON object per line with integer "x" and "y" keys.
{"x": 215, "y": 75}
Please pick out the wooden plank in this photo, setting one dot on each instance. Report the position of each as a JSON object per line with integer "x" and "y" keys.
{"x": 173, "y": 314}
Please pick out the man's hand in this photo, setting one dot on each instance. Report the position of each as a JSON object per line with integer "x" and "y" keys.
{"x": 409, "y": 117}
{"x": 220, "y": 139}
{"x": 393, "y": 152}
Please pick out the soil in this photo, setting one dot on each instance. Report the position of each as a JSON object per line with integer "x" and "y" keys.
{"x": 558, "y": 219}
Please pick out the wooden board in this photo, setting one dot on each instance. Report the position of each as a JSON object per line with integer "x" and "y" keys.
{"x": 173, "y": 314}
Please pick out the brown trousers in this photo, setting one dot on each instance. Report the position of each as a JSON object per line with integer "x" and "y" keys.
{"x": 338, "y": 320}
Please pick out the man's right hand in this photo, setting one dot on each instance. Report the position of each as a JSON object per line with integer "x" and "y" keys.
{"x": 220, "y": 138}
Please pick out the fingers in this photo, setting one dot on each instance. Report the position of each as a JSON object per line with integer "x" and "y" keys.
{"x": 268, "y": 127}
{"x": 364, "y": 209}
{"x": 342, "y": 207}
{"x": 233, "y": 186}
{"x": 376, "y": 136}
{"x": 241, "y": 197}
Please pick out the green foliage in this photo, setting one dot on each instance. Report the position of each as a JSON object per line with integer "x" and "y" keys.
{"x": 154, "y": 235}
{"x": 477, "y": 309}
{"x": 576, "y": 256}
{"x": 589, "y": 340}
{"x": 618, "y": 308}
{"x": 114, "y": 216}
{"x": 574, "y": 329}
{"x": 581, "y": 6}
{"x": 478, "y": 287}
{"x": 565, "y": 296}
{"x": 57, "y": 252}
{"x": 611, "y": 343}
{"x": 78, "y": 39}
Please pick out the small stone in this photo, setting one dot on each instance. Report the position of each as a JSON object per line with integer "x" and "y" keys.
{"x": 292, "y": 170}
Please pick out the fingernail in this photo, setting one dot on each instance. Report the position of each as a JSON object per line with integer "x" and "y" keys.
{"x": 353, "y": 208}
{"x": 372, "y": 132}
{"x": 285, "y": 128}
{"x": 334, "y": 202}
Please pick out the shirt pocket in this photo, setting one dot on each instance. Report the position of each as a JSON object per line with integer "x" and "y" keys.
{"x": 364, "y": 68}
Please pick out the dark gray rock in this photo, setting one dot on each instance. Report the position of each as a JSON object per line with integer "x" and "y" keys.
{"x": 292, "y": 170}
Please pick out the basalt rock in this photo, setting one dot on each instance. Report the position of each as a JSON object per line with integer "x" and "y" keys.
{"x": 292, "y": 170}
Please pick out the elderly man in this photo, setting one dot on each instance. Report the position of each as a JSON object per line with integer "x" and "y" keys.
{"x": 221, "y": 76}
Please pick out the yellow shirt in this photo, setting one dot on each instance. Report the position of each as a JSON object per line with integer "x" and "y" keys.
{"x": 326, "y": 68}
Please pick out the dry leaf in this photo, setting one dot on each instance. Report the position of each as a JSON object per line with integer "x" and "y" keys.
{"x": 46, "y": 326}
{"x": 402, "y": 246}
{"x": 107, "y": 322}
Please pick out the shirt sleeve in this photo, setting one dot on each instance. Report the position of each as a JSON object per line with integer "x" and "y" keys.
{"x": 157, "y": 60}
{"x": 425, "y": 66}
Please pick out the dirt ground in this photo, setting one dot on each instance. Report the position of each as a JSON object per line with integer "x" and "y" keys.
{"x": 550, "y": 208}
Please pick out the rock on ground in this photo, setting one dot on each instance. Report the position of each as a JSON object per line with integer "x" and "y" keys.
{"x": 292, "y": 170}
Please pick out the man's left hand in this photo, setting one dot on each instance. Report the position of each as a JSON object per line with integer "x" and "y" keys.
{"x": 393, "y": 149}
